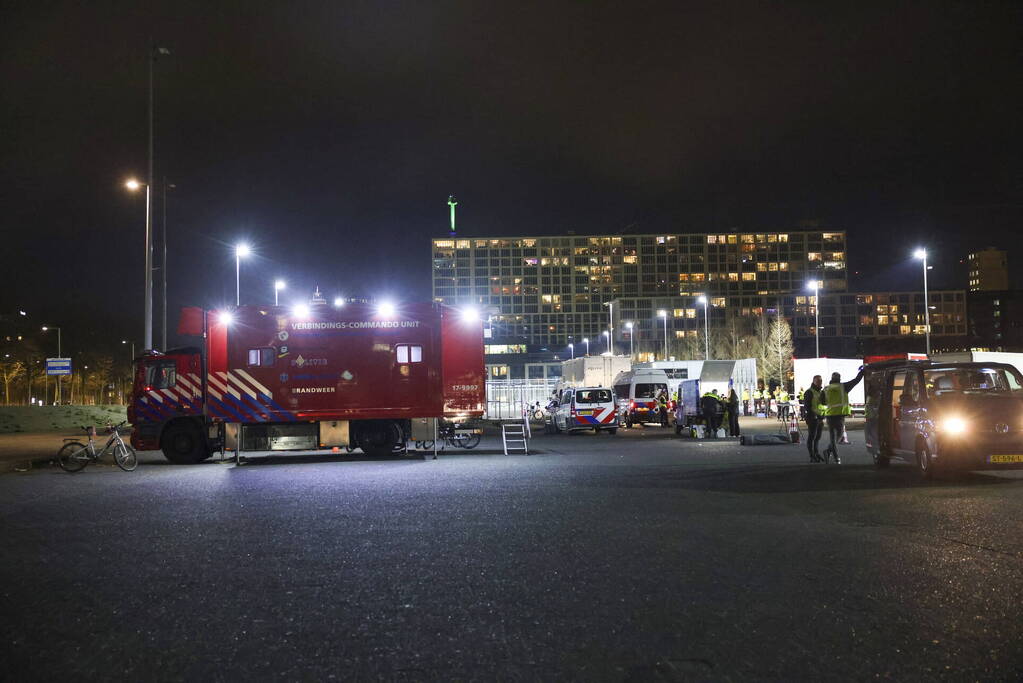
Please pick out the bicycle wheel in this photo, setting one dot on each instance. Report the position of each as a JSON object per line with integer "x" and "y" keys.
{"x": 125, "y": 457}
{"x": 467, "y": 441}
{"x": 73, "y": 456}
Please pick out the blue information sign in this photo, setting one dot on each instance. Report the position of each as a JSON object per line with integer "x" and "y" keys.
{"x": 58, "y": 366}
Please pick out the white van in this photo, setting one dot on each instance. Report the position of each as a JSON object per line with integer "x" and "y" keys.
{"x": 586, "y": 408}
{"x": 637, "y": 392}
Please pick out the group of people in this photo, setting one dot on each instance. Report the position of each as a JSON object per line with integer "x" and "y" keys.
{"x": 827, "y": 405}
{"x": 777, "y": 402}
{"x": 720, "y": 411}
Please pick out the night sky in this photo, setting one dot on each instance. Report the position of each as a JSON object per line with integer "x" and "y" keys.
{"x": 329, "y": 136}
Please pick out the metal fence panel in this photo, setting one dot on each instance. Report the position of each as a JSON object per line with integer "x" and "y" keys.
{"x": 508, "y": 398}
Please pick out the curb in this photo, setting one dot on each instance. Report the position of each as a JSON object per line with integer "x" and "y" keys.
{"x": 7, "y": 466}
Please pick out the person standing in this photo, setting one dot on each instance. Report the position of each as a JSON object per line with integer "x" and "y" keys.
{"x": 835, "y": 400}
{"x": 709, "y": 406}
{"x": 745, "y": 400}
{"x": 814, "y": 421}
{"x": 733, "y": 413}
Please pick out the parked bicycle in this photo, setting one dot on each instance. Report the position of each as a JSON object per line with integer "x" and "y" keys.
{"x": 456, "y": 436}
{"x": 75, "y": 455}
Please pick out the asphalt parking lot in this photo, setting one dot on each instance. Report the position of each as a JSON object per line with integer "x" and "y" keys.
{"x": 636, "y": 556}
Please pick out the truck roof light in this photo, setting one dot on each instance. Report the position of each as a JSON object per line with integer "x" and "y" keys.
{"x": 225, "y": 318}
{"x": 470, "y": 314}
{"x": 339, "y": 301}
{"x": 300, "y": 311}
{"x": 386, "y": 309}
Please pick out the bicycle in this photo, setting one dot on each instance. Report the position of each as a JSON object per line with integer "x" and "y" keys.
{"x": 74, "y": 455}
{"x": 454, "y": 436}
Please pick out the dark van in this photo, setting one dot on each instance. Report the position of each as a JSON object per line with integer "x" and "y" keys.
{"x": 944, "y": 415}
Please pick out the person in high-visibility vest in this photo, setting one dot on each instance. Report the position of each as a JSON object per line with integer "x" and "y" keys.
{"x": 745, "y": 400}
{"x": 834, "y": 406}
{"x": 814, "y": 421}
{"x": 783, "y": 404}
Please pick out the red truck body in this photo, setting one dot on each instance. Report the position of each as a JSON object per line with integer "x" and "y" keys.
{"x": 355, "y": 374}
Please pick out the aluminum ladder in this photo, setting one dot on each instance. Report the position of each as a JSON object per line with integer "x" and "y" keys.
{"x": 515, "y": 438}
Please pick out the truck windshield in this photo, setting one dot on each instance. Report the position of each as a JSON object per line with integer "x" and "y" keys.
{"x": 593, "y": 396}
{"x": 649, "y": 390}
{"x": 972, "y": 381}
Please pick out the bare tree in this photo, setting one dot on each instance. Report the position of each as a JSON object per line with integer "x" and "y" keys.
{"x": 777, "y": 354}
{"x": 10, "y": 370}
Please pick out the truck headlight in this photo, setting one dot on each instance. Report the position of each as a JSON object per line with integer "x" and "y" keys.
{"x": 953, "y": 425}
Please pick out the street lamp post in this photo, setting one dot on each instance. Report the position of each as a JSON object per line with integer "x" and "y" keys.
{"x": 632, "y": 333}
{"x": 922, "y": 255}
{"x": 706, "y": 327}
{"x": 664, "y": 316}
{"x": 278, "y": 286}
{"x": 56, "y": 378}
{"x": 240, "y": 252}
{"x": 587, "y": 342}
{"x": 134, "y": 185}
{"x": 815, "y": 287}
{"x": 571, "y": 349}
{"x": 608, "y": 335}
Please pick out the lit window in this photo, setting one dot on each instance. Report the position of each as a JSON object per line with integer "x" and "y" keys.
{"x": 409, "y": 354}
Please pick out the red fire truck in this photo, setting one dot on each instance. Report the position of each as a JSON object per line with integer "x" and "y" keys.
{"x": 319, "y": 376}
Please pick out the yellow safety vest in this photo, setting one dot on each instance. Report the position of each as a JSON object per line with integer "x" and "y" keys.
{"x": 815, "y": 401}
{"x": 745, "y": 394}
{"x": 836, "y": 401}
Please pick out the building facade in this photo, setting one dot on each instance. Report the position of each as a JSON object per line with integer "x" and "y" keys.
{"x": 552, "y": 291}
{"x": 996, "y": 320}
{"x": 988, "y": 270}
{"x": 850, "y": 323}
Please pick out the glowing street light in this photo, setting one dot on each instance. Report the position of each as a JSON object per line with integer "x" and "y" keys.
{"x": 607, "y": 336}
{"x": 921, "y": 254}
{"x": 278, "y": 286}
{"x": 587, "y": 342}
{"x": 571, "y": 349}
{"x": 632, "y": 333}
{"x": 240, "y": 251}
{"x": 814, "y": 286}
{"x": 664, "y": 316}
{"x": 706, "y": 326}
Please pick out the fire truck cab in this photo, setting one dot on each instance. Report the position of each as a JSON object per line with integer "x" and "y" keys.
{"x": 273, "y": 378}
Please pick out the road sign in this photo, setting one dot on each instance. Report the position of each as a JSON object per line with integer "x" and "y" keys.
{"x": 58, "y": 366}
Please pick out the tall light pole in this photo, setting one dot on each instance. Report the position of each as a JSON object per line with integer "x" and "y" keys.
{"x": 279, "y": 285}
{"x": 608, "y": 336}
{"x": 587, "y": 342}
{"x": 131, "y": 361}
{"x": 706, "y": 326}
{"x": 240, "y": 252}
{"x": 610, "y": 326}
{"x": 56, "y": 378}
{"x": 571, "y": 349}
{"x": 629, "y": 327}
{"x": 163, "y": 264}
{"x": 664, "y": 316}
{"x": 134, "y": 185}
{"x": 922, "y": 255}
{"x": 814, "y": 286}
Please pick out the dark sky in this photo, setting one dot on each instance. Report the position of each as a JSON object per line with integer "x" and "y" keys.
{"x": 330, "y": 134}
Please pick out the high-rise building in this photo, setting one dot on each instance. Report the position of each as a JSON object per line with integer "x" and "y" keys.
{"x": 549, "y": 291}
{"x": 988, "y": 270}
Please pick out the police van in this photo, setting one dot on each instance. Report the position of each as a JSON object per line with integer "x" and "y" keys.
{"x": 583, "y": 408}
{"x": 944, "y": 415}
{"x": 637, "y": 392}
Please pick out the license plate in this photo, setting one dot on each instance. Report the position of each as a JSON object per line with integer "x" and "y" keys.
{"x": 1004, "y": 458}
{"x": 584, "y": 412}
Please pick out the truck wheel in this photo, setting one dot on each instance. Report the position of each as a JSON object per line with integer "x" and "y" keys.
{"x": 379, "y": 438}
{"x": 183, "y": 444}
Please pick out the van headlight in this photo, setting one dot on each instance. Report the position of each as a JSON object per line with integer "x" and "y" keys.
{"x": 952, "y": 425}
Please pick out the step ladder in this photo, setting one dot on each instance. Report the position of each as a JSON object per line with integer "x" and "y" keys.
{"x": 515, "y": 438}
